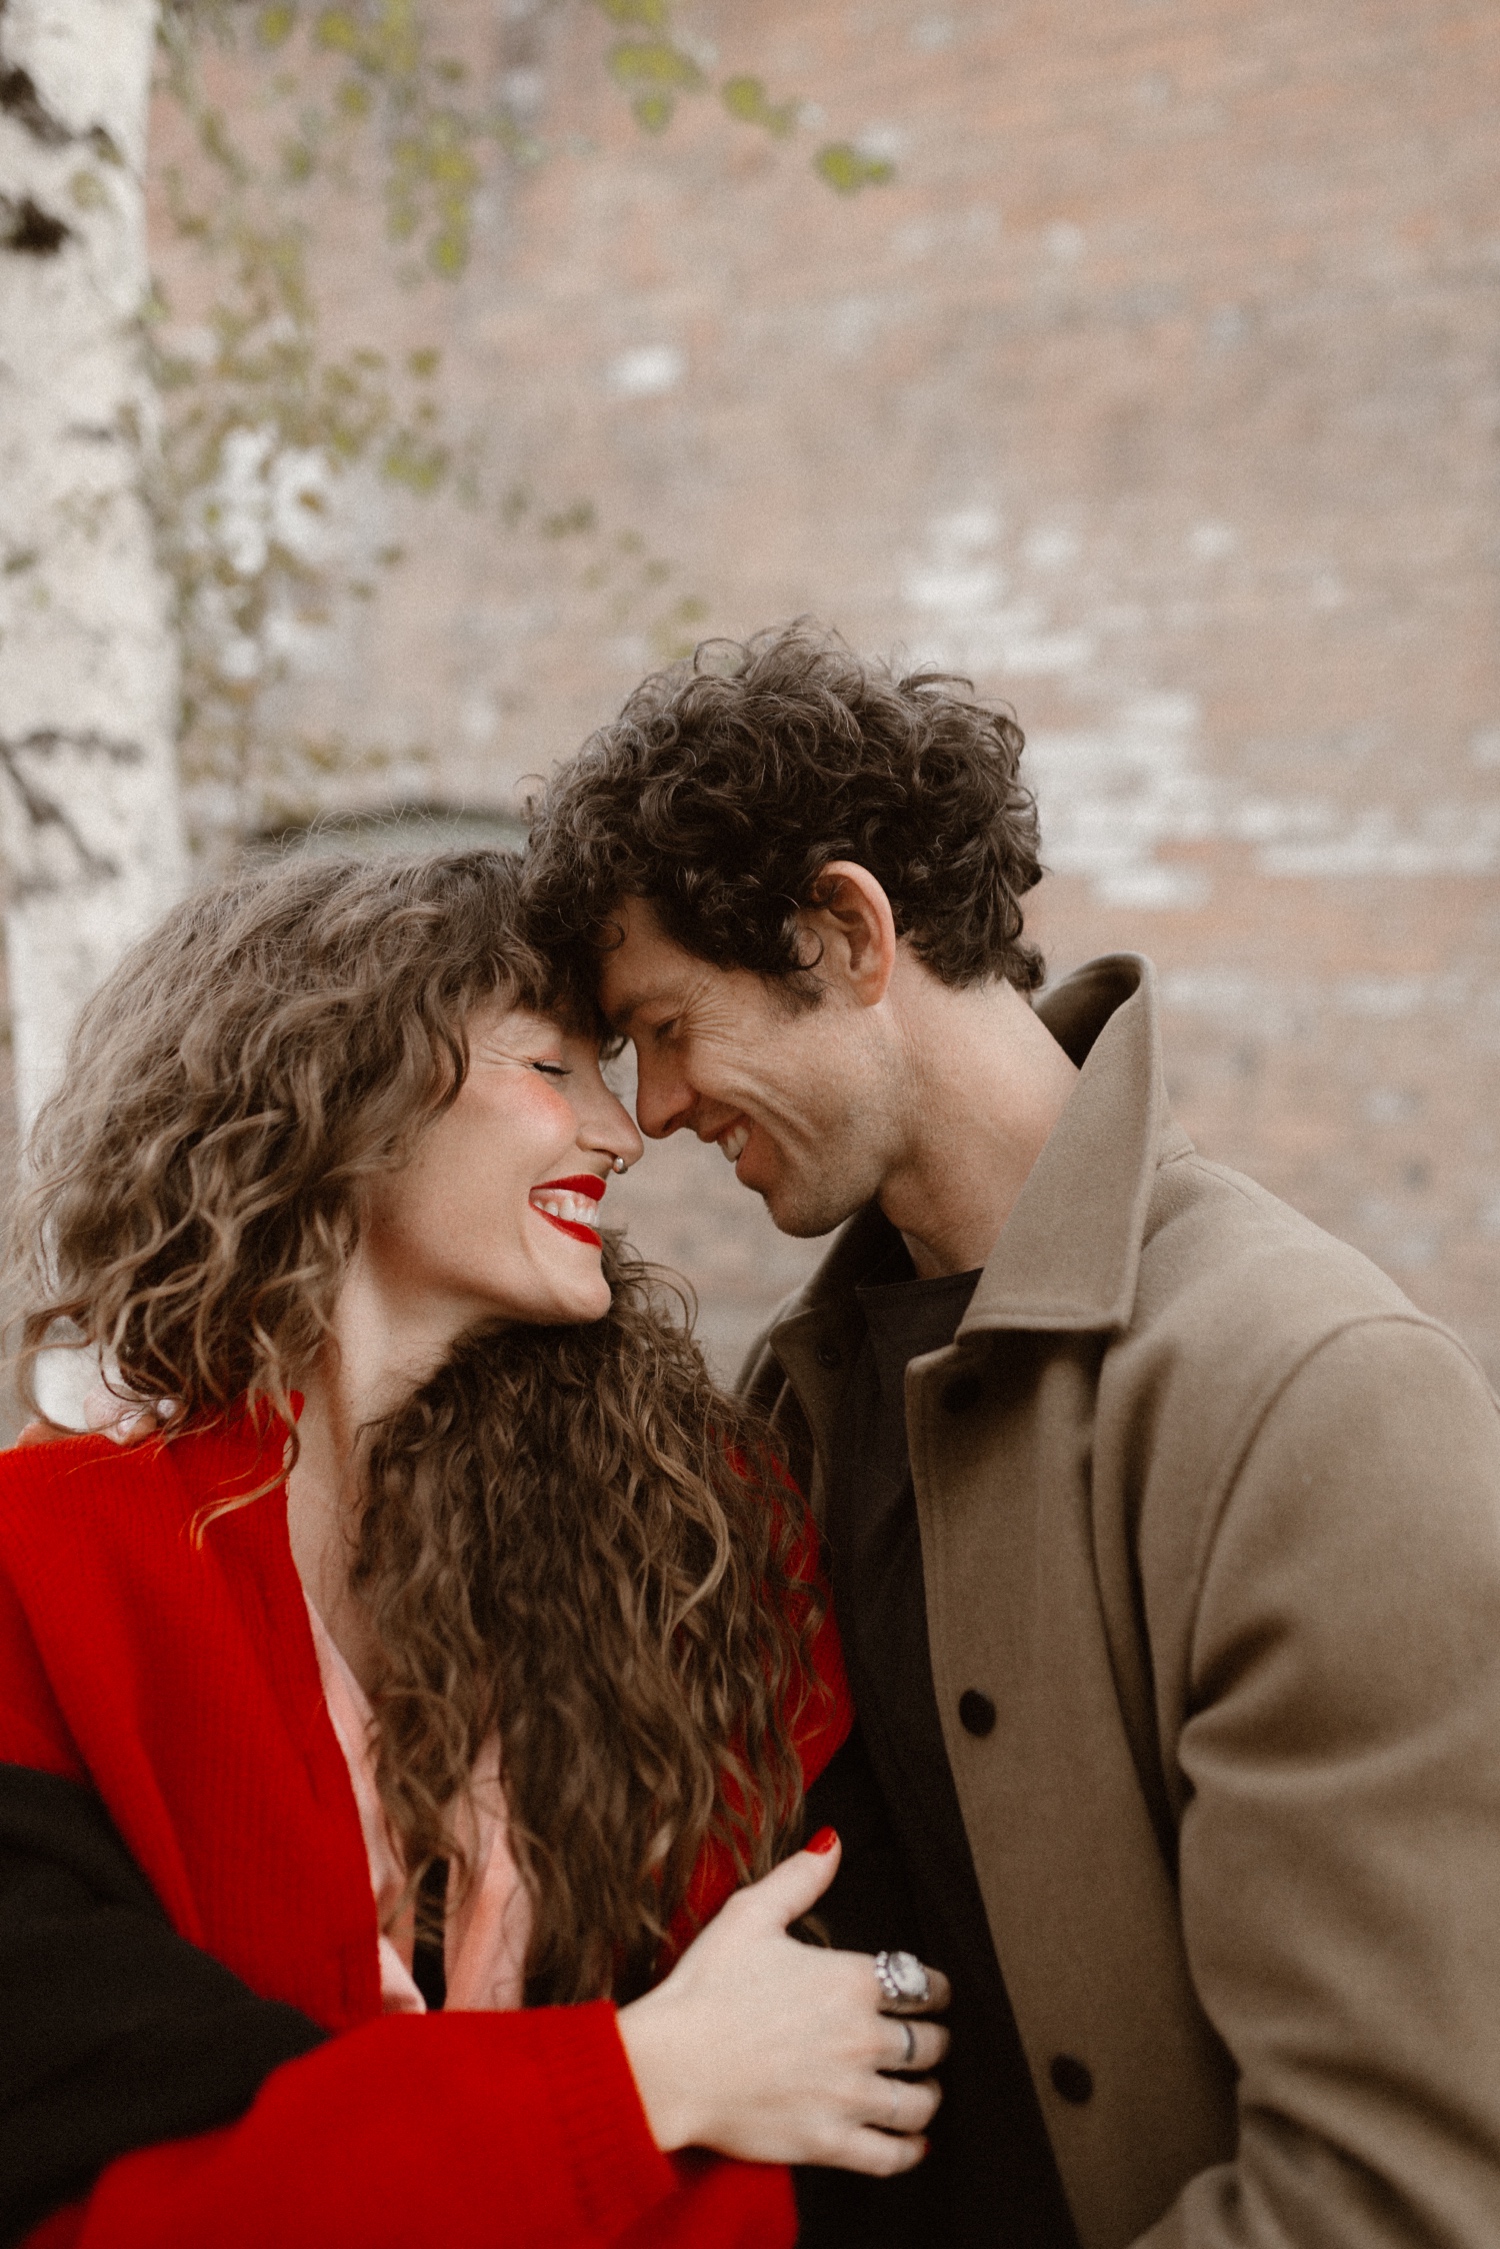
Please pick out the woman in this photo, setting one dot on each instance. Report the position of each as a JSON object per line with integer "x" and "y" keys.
{"x": 431, "y": 1547}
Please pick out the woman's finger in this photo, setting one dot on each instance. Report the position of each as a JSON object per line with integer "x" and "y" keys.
{"x": 903, "y": 2105}
{"x": 794, "y": 1887}
{"x": 938, "y": 1997}
{"x": 916, "y": 2045}
{"x": 881, "y": 2155}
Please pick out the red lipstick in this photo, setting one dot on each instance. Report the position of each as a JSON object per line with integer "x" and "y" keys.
{"x": 579, "y": 1183}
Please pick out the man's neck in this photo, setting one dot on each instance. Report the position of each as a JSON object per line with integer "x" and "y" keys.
{"x": 985, "y": 1084}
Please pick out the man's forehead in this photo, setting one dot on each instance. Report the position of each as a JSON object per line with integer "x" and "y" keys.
{"x": 643, "y": 966}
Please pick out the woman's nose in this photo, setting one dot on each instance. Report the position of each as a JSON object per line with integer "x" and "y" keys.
{"x": 624, "y": 1142}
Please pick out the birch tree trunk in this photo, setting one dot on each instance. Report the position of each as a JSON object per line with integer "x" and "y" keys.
{"x": 90, "y": 820}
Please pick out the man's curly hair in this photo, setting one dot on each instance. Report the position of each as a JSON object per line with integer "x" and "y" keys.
{"x": 728, "y": 783}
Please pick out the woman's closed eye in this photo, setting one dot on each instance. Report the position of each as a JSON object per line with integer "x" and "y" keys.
{"x": 546, "y": 1067}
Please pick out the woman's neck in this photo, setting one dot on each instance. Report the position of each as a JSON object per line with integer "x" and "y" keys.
{"x": 373, "y": 1359}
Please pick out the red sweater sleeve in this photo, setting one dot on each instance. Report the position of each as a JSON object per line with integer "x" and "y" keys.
{"x": 478, "y": 2131}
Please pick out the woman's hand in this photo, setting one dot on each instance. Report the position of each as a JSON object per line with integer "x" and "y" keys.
{"x": 774, "y": 2051}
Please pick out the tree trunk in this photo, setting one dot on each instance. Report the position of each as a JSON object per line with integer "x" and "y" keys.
{"x": 90, "y": 819}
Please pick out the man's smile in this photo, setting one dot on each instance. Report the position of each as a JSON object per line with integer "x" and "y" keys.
{"x": 732, "y": 1139}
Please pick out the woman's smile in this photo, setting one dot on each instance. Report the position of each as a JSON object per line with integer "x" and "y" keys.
{"x": 570, "y": 1205}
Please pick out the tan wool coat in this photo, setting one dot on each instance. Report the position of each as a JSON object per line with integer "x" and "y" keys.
{"x": 1210, "y": 1522}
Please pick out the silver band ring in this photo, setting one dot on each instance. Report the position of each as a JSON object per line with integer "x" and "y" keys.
{"x": 911, "y": 2046}
{"x": 618, "y": 1165}
{"x": 901, "y": 1976}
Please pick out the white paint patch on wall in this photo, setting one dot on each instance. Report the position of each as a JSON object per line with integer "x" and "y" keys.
{"x": 1112, "y": 797}
{"x": 969, "y": 620}
{"x": 1125, "y": 802}
{"x": 646, "y": 371}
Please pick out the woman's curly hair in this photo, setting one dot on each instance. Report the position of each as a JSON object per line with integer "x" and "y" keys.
{"x": 570, "y": 1533}
{"x": 728, "y": 783}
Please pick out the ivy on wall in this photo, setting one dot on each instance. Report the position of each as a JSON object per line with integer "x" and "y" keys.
{"x": 269, "y": 432}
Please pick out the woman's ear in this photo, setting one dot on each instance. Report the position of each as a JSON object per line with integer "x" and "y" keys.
{"x": 851, "y": 931}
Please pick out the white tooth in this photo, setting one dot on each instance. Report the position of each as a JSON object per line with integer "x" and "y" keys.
{"x": 577, "y": 1208}
{"x": 733, "y": 1143}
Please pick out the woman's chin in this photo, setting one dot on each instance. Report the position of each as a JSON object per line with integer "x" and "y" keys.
{"x": 566, "y": 1307}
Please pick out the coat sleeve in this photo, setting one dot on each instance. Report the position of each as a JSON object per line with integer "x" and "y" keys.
{"x": 509, "y": 2131}
{"x": 1340, "y": 1852}
{"x": 141, "y": 2076}
{"x": 117, "y": 2031}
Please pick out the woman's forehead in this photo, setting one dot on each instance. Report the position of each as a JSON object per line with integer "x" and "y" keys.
{"x": 503, "y": 1020}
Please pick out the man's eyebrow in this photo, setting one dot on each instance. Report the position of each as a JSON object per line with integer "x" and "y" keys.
{"x": 619, "y": 1017}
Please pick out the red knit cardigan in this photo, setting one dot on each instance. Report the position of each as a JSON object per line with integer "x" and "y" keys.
{"x": 179, "y": 1681}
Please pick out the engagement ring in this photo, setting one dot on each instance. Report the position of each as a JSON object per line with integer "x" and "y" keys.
{"x": 901, "y": 1976}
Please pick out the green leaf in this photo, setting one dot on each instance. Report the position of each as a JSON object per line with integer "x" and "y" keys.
{"x": 425, "y": 362}
{"x": 747, "y": 100}
{"x": 449, "y": 252}
{"x": 406, "y": 460}
{"x": 846, "y": 170}
{"x": 354, "y": 98}
{"x": 653, "y": 15}
{"x": 653, "y": 112}
{"x": 276, "y": 23}
{"x": 87, "y": 190}
{"x": 579, "y": 517}
{"x": 655, "y": 64}
{"x": 338, "y": 30}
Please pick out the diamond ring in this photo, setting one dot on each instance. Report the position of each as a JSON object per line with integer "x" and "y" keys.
{"x": 902, "y": 1977}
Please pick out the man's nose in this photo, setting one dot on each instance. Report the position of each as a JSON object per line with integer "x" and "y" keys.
{"x": 663, "y": 1099}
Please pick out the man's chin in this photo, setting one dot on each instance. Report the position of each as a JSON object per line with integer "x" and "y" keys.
{"x": 794, "y": 1210}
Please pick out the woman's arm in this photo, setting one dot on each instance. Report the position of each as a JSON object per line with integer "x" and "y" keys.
{"x": 481, "y": 2131}
{"x": 149, "y": 2099}
{"x": 117, "y": 2032}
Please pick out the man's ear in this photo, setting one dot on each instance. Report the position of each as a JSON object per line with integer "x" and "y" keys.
{"x": 851, "y": 931}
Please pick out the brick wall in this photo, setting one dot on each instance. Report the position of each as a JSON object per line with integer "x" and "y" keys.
{"x": 1160, "y": 393}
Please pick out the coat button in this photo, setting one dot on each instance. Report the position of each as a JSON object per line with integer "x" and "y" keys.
{"x": 1071, "y": 2078}
{"x": 976, "y": 1712}
{"x": 828, "y": 1355}
{"x": 964, "y": 1391}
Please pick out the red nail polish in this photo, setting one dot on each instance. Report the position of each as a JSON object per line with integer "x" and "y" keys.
{"x": 823, "y": 1841}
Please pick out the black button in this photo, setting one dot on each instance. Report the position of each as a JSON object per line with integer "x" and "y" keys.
{"x": 976, "y": 1712}
{"x": 963, "y": 1391}
{"x": 1073, "y": 2079}
{"x": 829, "y": 1355}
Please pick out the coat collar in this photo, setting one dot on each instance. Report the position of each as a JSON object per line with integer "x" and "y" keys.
{"x": 1067, "y": 1259}
{"x": 1068, "y": 1256}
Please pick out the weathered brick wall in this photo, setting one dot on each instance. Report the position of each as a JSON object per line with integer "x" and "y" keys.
{"x": 1159, "y": 392}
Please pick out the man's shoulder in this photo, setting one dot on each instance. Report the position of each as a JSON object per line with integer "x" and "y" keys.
{"x": 1236, "y": 1290}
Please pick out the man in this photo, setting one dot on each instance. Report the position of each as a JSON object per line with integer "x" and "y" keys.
{"x": 1165, "y": 1532}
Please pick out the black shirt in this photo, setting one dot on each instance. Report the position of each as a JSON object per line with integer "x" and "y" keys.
{"x": 990, "y": 2181}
